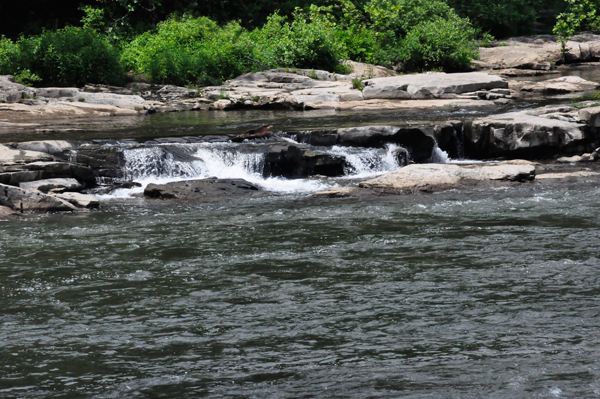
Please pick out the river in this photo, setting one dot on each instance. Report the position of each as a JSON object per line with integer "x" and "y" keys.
{"x": 461, "y": 294}
{"x": 458, "y": 294}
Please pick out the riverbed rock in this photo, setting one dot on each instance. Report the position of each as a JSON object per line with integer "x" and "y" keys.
{"x": 430, "y": 177}
{"x": 80, "y": 200}
{"x": 7, "y": 213}
{"x": 534, "y": 134}
{"x": 430, "y": 85}
{"x": 31, "y": 200}
{"x": 53, "y": 185}
{"x": 14, "y": 174}
{"x": 105, "y": 161}
{"x": 562, "y": 85}
{"x": 201, "y": 189}
{"x": 368, "y": 71}
{"x": 51, "y": 147}
{"x": 11, "y": 155}
{"x": 419, "y": 141}
{"x": 292, "y": 162}
{"x": 591, "y": 117}
{"x": 540, "y": 52}
{"x": 437, "y": 177}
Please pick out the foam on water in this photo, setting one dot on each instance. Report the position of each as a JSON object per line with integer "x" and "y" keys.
{"x": 441, "y": 156}
{"x": 364, "y": 163}
{"x": 227, "y": 161}
{"x": 162, "y": 164}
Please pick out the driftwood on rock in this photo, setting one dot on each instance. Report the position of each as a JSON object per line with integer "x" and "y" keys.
{"x": 263, "y": 131}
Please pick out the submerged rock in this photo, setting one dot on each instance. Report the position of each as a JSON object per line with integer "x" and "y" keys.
{"x": 201, "y": 189}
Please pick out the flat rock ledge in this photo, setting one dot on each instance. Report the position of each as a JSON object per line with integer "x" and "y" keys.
{"x": 540, "y": 52}
{"x": 436, "y": 177}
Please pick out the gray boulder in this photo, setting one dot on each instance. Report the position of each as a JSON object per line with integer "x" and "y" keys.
{"x": 105, "y": 161}
{"x": 294, "y": 162}
{"x": 419, "y": 141}
{"x": 591, "y": 116}
{"x": 14, "y": 174}
{"x": 541, "y": 52}
{"x": 532, "y": 135}
{"x": 52, "y": 147}
{"x": 29, "y": 200}
{"x": 562, "y": 85}
{"x": 201, "y": 189}
{"x": 428, "y": 177}
{"x": 10, "y": 155}
{"x": 52, "y": 185}
{"x": 430, "y": 85}
{"x": 437, "y": 177}
{"x": 80, "y": 200}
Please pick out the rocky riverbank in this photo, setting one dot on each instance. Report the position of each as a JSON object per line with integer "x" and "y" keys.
{"x": 368, "y": 89}
{"x": 62, "y": 175}
{"x": 65, "y": 175}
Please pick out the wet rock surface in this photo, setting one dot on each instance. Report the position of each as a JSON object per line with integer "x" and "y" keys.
{"x": 22, "y": 200}
{"x": 436, "y": 177}
{"x": 201, "y": 189}
{"x": 293, "y": 162}
{"x": 538, "y": 133}
{"x": 419, "y": 141}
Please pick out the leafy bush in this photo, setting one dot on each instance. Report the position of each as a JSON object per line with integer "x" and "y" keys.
{"x": 308, "y": 41}
{"x": 191, "y": 51}
{"x": 27, "y": 78}
{"x": 71, "y": 57}
{"x": 439, "y": 44}
{"x": 9, "y": 57}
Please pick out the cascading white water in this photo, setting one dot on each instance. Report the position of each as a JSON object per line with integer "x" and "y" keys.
{"x": 224, "y": 160}
{"x": 367, "y": 162}
{"x": 157, "y": 165}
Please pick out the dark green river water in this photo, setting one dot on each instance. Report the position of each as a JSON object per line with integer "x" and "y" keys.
{"x": 471, "y": 294}
{"x": 464, "y": 294}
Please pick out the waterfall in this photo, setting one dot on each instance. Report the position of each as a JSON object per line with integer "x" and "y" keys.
{"x": 173, "y": 162}
{"x": 367, "y": 162}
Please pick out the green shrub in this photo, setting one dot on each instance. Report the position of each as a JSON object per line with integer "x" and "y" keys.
{"x": 9, "y": 57}
{"x": 71, "y": 57}
{"x": 439, "y": 44}
{"x": 421, "y": 34}
{"x": 189, "y": 50}
{"x": 358, "y": 84}
{"x": 308, "y": 41}
{"x": 27, "y": 78}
